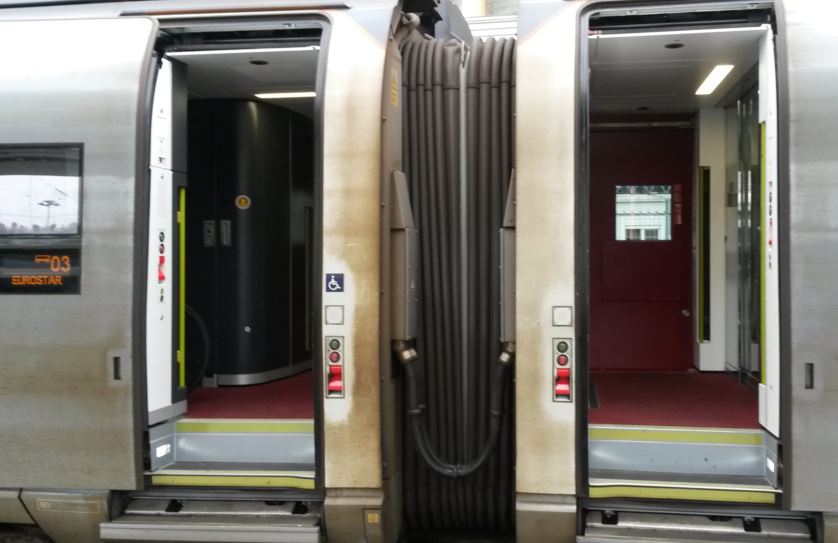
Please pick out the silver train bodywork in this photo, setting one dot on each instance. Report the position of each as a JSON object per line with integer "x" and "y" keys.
{"x": 72, "y": 376}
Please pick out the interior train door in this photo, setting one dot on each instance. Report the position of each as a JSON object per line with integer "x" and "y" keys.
{"x": 72, "y": 272}
{"x": 641, "y": 188}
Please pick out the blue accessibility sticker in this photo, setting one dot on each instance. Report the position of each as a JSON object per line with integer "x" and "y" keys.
{"x": 334, "y": 282}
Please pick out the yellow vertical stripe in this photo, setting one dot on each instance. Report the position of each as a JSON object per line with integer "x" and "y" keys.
{"x": 699, "y": 321}
{"x": 181, "y": 350}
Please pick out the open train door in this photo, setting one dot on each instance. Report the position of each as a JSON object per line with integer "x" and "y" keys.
{"x": 72, "y": 171}
{"x": 769, "y": 386}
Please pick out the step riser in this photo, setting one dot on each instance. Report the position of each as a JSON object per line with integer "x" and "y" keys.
{"x": 170, "y": 445}
{"x": 677, "y": 458}
{"x": 245, "y": 448}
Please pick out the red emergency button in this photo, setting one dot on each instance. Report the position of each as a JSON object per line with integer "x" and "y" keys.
{"x": 161, "y": 274}
{"x": 335, "y": 385}
{"x": 562, "y": 360}
{"x": 561, "y": 384}
{"x": 563, "y": 389}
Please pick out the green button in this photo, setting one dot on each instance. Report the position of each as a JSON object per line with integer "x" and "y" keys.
{"x": 562, "y": 346}
{"x": 334, "y": 344}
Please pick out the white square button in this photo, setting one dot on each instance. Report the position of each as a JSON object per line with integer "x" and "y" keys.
{"x": 334, "y": 314}
{"x": 562, "y": 315}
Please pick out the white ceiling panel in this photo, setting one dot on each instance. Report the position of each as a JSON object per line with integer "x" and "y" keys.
{"x": 232, "y": 74}
{"x": 631, "y": 71}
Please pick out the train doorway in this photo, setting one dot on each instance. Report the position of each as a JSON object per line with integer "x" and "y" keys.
{"x": 232, "y": 302}
{"x": 675, "y": 411}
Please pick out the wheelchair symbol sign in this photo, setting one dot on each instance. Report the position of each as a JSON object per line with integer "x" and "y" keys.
{"x": 334, "y": 282}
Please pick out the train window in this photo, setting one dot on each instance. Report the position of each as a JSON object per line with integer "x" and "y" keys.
{"x": 40, "y": 190}
{"x": 40, "y": 216}
{"x": 643, "y": 212}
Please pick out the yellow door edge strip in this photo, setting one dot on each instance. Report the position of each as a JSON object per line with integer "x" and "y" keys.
{"x": 676, "y": 436}
{"x": 233, "y": 481}
{"x": 181, "y": 351}
{"x": 691, "y": 494}
{"x": 243, "y": 427}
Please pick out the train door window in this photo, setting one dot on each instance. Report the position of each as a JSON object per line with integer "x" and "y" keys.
{"x": 40, "y": 219}
{"x": 643, "y": 212}
{"x": 41, "y": 189}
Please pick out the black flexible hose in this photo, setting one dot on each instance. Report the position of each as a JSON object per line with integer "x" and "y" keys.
{"x": 205, "y": 337}
{"x": 419, "y": 428}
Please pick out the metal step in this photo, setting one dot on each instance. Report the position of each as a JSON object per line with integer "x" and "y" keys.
{"x": 683, "y": 451}
{"x": 215, "y": 520}
{"x": 693, "y": 488}
{"x": 609, "y": 527}
{"x": 233, "y": 441}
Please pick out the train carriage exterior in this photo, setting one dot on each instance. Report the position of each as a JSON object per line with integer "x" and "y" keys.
{"x": 304, "y": 271}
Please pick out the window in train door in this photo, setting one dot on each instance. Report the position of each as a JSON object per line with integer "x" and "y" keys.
{"x": 643, "y": 212}
{"x": 40, "y": 219}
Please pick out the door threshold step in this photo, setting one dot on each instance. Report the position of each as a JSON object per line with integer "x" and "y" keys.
{"x": 236, "y": 426}
{"x": 302, "y": 512}
{"x": 693, "y": 452}
{"x": 234, "y": 478}
{"x": 200, "y": 529}
{"x": 200, "y": 520}
{"x": 232, "y": 441}
{"x": 676, "y": 434}
{"x": 689, "y": 528}
{"x": 682, "y": 490}
{"x": 234, "y": 467}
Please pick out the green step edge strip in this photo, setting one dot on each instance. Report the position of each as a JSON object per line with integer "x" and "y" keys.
{"x": 691, "y": 494}
{"x": 245, "y": 427}
{"x": 675, "y": 436}
{"x": 250, "y": 481}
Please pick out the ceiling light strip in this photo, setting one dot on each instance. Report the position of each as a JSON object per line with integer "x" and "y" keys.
{"x": 176, "y": 54}
{"x": 714, "y": 79}
{"x": 281, "y": 95}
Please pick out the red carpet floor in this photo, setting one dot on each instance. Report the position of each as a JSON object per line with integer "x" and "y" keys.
{"x": 707, "y": 400}
{"x": 289, "y": 398}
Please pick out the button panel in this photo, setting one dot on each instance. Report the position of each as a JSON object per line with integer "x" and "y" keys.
{"x": 334, "y": 382}
{"x": 561, "y": 355}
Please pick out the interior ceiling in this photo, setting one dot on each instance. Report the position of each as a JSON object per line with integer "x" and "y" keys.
{"x": 230, "y": 74}
{"x": 631, "y": 71}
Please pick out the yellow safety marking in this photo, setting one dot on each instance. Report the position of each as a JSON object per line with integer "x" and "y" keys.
{"x": 676, "y": 435}
{"x": 694, "y": 494}
{"x": 181, "y": 350}
{"x": 699, "y": 322}
{"x": 239, "y": 426}
{"x": 281, "y": 481}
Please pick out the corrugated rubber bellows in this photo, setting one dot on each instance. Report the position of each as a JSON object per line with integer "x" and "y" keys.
{"x": 457, "y": 390}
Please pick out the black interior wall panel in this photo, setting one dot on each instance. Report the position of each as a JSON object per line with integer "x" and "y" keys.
{"x": 242, "y": 147}
{"x": 457, "y": 415}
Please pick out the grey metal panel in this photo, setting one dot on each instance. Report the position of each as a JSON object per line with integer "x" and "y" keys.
{"x": 280, "y": 448}
{"x": 680, "y": 458}
{"x": 69, "y": 517}
{"x": 12, "y": 510}
{"x": 74, "y": 424}
{"x": 812, "y": 245}
{"x": 192, "y": 529}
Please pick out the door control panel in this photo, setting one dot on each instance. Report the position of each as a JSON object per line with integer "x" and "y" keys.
{"x": 562, "y": 369}
{"x": 334, "y": 367}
